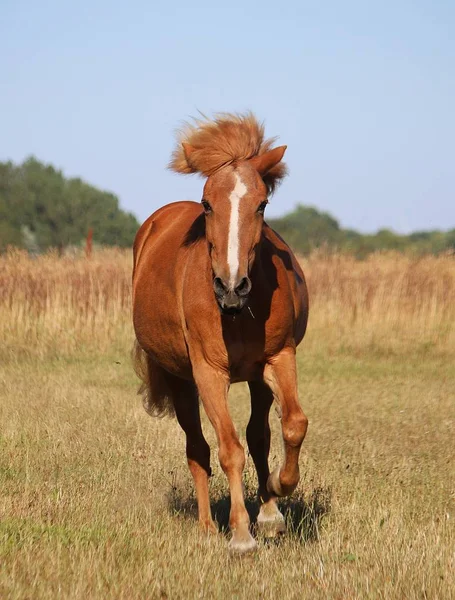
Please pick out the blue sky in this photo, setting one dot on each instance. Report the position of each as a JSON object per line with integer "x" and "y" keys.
{"x": 363, "y": 94}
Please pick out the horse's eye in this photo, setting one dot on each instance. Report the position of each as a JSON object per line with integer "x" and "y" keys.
{"x": 206, "y": 206}
{"x": 261, "y": 207}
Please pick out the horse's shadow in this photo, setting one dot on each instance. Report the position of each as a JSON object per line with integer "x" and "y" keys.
{"x": 303, "y": 514}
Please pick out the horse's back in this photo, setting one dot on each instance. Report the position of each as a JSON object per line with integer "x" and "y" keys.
{"x": 159, "y": 255}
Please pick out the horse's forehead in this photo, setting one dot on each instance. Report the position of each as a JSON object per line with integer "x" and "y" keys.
{"x": 249, "y": 176}
{"x": 224, "y": 181}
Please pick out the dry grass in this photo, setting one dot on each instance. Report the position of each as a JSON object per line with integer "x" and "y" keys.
{"x": 51, "y": 305}
{"x": 95, "y": 497}
{"x": 388, "y": 302}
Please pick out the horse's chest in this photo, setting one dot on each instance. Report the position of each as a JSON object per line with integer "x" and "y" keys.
{"x": 246, "y": 354}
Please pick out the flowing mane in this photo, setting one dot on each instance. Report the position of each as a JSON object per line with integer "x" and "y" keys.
{"x": 227, "y": 139}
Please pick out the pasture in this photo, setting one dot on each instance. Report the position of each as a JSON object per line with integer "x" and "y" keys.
{"x": 96, "y": 500}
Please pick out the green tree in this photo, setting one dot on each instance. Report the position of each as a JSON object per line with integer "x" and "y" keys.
{"x": 55, "y": 211}
{"x": 306, "y": 228}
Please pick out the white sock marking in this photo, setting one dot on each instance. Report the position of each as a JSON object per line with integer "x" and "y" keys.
{"x": 233, "y": 235}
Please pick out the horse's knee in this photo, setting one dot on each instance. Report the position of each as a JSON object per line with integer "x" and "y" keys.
{"x": 283, "y": 482}
{"x": 232, "y": 456}
{"x": 295, "y": 428}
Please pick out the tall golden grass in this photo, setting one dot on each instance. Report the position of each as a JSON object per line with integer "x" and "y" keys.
{"x": 388, "y": 301}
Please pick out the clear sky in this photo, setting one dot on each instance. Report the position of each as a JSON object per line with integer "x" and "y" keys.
{"x": 362, "y": 92}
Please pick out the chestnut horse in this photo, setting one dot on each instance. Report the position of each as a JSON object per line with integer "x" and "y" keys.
{"x": 218, "y": 298}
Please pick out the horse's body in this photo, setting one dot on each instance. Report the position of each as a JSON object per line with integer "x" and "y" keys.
{"x": 175, "y": 307}
{"x": 214, "y": 307}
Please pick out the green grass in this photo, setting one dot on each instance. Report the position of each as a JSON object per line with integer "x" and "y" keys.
{"x": 96, "y": 500}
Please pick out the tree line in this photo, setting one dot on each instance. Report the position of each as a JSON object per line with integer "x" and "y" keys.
{"x": 40, "y": 208}
{"x": 306, "y": 228}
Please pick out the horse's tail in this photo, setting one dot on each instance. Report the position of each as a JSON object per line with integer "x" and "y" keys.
{"x": 154, "y": 389}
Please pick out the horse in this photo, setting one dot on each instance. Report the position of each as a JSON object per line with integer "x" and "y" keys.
{"x": 219, "y": 298}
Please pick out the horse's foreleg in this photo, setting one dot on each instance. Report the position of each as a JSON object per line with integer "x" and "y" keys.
{"x": 186, "y": 406}
{"x": 280, "y": 375}
{"x": 213, "y": 389}
{"x": 270, "y": 521}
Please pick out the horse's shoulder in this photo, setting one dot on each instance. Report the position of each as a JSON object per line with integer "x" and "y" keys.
{"x": 274, "y": 238}
{"x": 276, "y": 245}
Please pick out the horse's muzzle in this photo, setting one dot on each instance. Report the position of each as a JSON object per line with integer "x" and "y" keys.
{"x": 231, "y": 300}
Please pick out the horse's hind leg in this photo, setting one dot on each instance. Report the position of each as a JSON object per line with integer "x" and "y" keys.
{"x": 186, "y": 405}
{"x": 164, "y": 393}
{"x": 270, "y": 521}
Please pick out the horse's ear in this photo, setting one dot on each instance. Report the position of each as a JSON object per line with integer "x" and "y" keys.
{"x": 264, "y": 162}
{"x": 188, "y": 150}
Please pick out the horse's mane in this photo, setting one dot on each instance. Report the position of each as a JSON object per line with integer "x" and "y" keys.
{"x": 221, "y": 141}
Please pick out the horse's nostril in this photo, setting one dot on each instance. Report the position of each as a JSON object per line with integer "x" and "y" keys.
{"x": 244, "y": 287}
{"x": 219, "y": 286}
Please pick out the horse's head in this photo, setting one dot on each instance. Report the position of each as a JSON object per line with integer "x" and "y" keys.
{"x": 241, "y": 170}
{"x": 234, "y": 201}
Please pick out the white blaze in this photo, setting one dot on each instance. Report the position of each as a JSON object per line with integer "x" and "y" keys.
{"x": 233, "y": 235}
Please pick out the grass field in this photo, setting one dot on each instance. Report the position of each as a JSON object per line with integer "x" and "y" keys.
{"x": 96, "y": 500}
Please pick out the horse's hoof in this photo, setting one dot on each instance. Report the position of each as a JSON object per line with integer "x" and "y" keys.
{"x": 270, "y": 522}
{"x": 208, "y": 526}
{"x": 242, "y": 544}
